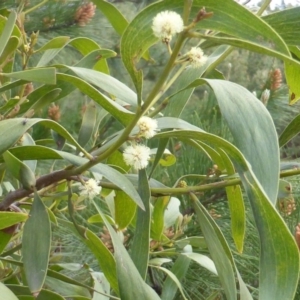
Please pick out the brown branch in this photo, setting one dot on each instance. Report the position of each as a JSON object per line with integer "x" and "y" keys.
{"x": 41, "y": 182}
{"x": 69, "y": 174}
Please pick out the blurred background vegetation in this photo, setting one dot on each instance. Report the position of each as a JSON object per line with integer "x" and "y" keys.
{"x": 255, "y": 72}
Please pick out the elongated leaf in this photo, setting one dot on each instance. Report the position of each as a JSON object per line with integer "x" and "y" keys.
{"x": 238, "y": 215}
{"x": 295, "y": 51}
{"x": 282, "y": 262}
{"x": 6, "y": 293}
{"x": 171, "y": 212}
{"x": 107, "y": 83}
{"x": 212, "y": 154}
{"x": 45, "y": 100}
{"x": 195, "y": 241}
{"x": 179, "y": 270}
{"x": 47, "y": 57}
{"x": 292, "y": 66}
{"x": 236, "y": 206}
{"x": 33, "y": 152}
{"x": 292, "y": 73}
{"x": 131, "y": 284}
{"x": 3, "y": 21}
{"x": 116, "y": 159}
{"x": 120, "y": 113}
{"x": 285, "y": 189}
{"x": 64, "y": 278}
{"x": 179, "y": 99}
{"x": 82, "y": 44}
{"x": 253, "y": 130}
{"x": 23, "y": 291}
{"x": 173, "y": 278}
{"x": 41, "y": 91}
{"x": 239, "y": 22}
{"x": 28, "y": 140}
{"x": 103, "y": 255}
{"x": 244, "y": 292}
{"x": 214, "y": 295}
{"x": 141, "y": 242}
{"x": 87, "y": 125}
{"x": 157, "y": 225}
{"x": 85, "y": 46}
{"x": 11, "y": 85}
{"x": 4, "y": 239}
{"x": 93, "y": 59}
{"x": 66, "y": 289}
{"x": 57, "y": 42}
{"x": 158, "y": 261}
{"x": 115, "y": 17}
{"x": 203, "y": 261}
{"x": 8, "y": 53}
{"x": 289, "y": 165}
{"x": 7, "y": 31}
{"x": 286, "y": 23}
{"x": 101, "y": 285}
{"x": 8, "y": 219}
{"x": 162, "y": 144}
{"x": 42, "y": 75}
{"x": 36, "y": 243}
{"x": 125, "y": 209}
{"x": 152, "y": 182}
{"x": 12, "y": 129}
{"x": 10, "y": 104}
{"x": 171, "y": 123}
{"x": 97, "y": 219}
{"x": 19, "y": 170}
{"x": 176, "y": 123}
{"x": 218, "y": 249}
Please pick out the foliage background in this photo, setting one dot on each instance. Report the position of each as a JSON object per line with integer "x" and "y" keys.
{"x": 248, "y": 69}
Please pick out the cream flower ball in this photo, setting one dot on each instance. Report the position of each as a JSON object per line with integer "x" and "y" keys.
{"x": 166, "y": 24}
{"x": 137, "y": 156}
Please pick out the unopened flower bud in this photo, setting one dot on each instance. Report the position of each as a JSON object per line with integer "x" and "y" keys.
{"x": 33, "y": 38}
{"x": 265, "y": 97}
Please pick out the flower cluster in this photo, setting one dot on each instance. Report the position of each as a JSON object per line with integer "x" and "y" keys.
{"x": 90, "y": 188}
{"x": 196, "y": 57}
{"x": 85, "y": 13}
{"x": 137, "y": 156}
{"x": 276, "y": 79}
{"x": 166, "y": 24}
{"x": 54, "y": 112}
{"x": 147, "y": 127}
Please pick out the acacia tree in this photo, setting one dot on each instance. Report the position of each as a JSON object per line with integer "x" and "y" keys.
{"x": 115, "y": 174}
